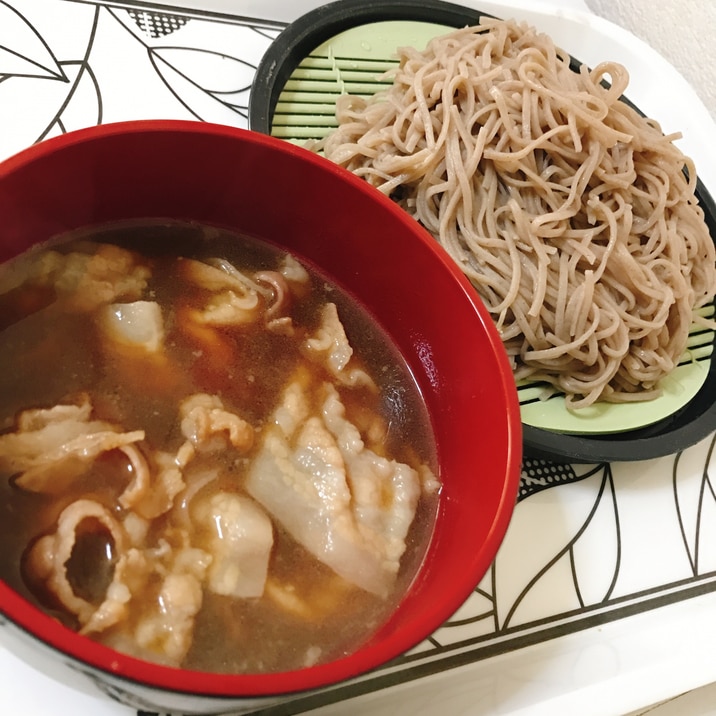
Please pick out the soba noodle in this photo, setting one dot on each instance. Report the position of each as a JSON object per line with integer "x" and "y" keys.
{"x": 574, "y": 217}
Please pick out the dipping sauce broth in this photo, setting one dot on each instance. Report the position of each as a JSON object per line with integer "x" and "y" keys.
{"x": 211, "y": 456}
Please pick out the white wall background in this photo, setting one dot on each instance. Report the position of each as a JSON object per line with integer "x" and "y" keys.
{"x": 682, "y": 31}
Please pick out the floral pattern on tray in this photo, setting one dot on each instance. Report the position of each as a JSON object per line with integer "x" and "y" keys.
{"x": 120, "y": 64}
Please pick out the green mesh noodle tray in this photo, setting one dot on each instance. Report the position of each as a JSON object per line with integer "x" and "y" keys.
{"x": 355, "y": 62}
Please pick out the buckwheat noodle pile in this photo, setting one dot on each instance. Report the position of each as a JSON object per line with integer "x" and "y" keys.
{"x": 573, "y": 216}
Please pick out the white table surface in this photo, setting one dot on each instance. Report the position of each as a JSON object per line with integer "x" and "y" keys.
{"x": 596, "y": 603}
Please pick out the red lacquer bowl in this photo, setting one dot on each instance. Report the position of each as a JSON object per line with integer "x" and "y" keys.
{"x": 261, "y": 186}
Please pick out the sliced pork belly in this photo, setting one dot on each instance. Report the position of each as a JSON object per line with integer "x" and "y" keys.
{"x": 154, "y": 483}
{"x": 239, "y": 537}
{"x": 85, "y": 281}
{"x": 51, "y": 447}
{"x": 329, "y": 345}
{"x": 138, "y": 325}
{"x": 166, "y": 630}
{"x": 233, "y": 297}
{"x": 163, "y": 626}
{"x": 348, "y": 506}
{"x": 48, "y": 558}
{"x": 208, "y": 425}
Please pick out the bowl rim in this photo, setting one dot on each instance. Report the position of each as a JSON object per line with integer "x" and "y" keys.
{"x": 119, "y": 666}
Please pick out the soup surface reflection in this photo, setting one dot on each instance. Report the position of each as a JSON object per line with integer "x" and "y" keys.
{"x": 210, "y": 455}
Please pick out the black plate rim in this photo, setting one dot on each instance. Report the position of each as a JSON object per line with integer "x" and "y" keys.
{"x": 688, "y": 426}
{"x": 317, "y": 26}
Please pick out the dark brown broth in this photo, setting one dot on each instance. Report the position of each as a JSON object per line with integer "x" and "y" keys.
{"x": 46, "y": 356}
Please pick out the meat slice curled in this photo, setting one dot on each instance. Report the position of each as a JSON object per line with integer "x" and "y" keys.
{"x": 51, "y": 447}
